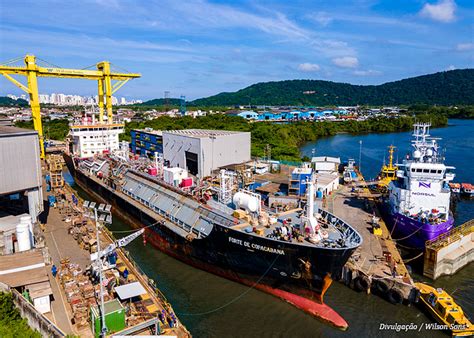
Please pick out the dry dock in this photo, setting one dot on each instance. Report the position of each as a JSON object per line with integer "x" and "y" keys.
{"x": 376, "y": 265}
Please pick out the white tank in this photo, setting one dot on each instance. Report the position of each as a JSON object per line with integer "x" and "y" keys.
{"x": 245, "y": 201}
{"x": 429, "y": 152}
{"x": 23, "y": 234}
{"x": 416, "y": 154}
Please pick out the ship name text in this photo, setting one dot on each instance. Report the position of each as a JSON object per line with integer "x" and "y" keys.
{"x": 256, "y": 246}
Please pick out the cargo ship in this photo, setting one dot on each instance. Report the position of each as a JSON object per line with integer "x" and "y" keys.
{"x": 418, "y": 202}
{"x": 293, "y": 255}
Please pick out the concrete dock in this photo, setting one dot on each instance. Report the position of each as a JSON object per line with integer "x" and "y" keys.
{"x": 376, "y": 265}
{"x": 62, "y": 246}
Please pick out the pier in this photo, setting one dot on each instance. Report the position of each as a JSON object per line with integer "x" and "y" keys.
{"x": 70, "y": 238}
{"x": 449, "y": 252}
{"x": 376, "y": 265}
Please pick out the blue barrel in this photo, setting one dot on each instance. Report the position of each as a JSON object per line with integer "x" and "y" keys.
{"x": 319, "y": 194}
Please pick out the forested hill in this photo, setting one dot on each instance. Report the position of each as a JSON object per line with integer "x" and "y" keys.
{"x": 455, "y": 87}
{"x": 6, "y": 101}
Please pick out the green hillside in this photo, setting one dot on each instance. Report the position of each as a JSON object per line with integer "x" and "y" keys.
{"x": 455, "y": 87}
{"x": 6, "y": 101}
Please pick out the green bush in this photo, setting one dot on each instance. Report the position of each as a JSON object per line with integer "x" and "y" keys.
{"x": 11, "y": 323}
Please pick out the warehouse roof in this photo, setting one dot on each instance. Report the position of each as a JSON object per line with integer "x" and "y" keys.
{"x": 8, "y": 131}
{"x": 326, "y": 159}
{"x": 25, "y": 277}
{"x": 199, "y": 133}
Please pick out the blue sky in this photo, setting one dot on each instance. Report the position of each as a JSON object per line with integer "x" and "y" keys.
{"x": 199, "y": 48}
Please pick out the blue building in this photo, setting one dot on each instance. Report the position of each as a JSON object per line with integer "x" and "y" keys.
{"x": 145, "y": 142}
{"x": 249, "y": 115}
{"x": 297, "y": 185}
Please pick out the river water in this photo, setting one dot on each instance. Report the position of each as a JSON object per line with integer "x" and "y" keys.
{"x": 211, "y": 306}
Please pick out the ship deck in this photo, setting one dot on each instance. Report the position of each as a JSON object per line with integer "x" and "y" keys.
{"x": 186, "y": 216}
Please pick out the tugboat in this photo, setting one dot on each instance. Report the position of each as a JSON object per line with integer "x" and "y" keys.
{"x": 419, "y": 199}
{"x": 445, "y": 311}
{"x": 349, "y": 173}
{"x": 388, "y": 173}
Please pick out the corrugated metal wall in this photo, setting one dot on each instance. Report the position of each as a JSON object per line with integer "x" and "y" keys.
{"x": 20, "y": 166}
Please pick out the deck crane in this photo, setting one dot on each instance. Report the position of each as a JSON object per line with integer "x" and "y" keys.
{"x": 103, "y": 75}
{"x": 117, "y": 244}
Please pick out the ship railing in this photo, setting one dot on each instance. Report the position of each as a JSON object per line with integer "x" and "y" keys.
{"x": 451, "y": 236}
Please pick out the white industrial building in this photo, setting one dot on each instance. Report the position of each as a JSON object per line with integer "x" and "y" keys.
{"x": 20, "y": 172}
{"x": 326, "y": 164}
{"x": 203, "y": 151}
{"x": 326, "y": 183}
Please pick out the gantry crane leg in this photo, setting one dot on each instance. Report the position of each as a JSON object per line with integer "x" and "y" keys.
{"x": 101, "y": 99}
{"x": 34, "y": 100}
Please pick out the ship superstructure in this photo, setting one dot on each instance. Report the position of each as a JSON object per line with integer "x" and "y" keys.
{"x": 388, "y": 172}
{"x": 419, "y": 199}
{"x": 90, "y": 137}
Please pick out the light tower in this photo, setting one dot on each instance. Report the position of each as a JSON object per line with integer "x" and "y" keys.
{"x": 100, "y": 215}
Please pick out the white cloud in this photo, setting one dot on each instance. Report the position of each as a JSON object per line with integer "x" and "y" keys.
{"x": 346, "y": 62}
{"x": 369, "y": 72}
{"x": 322, "y": 18}
{"x": 308, "y": 67}
{"x": 462, "y": 47}
{"x": 325, "y": 18}
{"x": 451, "y": 67}
{"x": 442, "y": 11}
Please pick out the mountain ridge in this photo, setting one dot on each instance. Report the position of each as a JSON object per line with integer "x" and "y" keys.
{"x": 454, "y": 87}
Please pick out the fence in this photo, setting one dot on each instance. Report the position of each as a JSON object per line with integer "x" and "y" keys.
{"x": 35, "y": 319}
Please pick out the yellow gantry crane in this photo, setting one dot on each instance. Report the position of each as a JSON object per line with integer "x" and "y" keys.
{"x": 103, "y": 75}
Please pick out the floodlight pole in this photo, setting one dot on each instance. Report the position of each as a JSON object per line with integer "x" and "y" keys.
{"x": 99, "y": 265}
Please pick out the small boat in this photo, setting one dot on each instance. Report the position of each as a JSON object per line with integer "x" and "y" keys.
{"x": 467, "y": 189}
{"x": 349, "y": 173}
{"x": 455, "y": 188}
{"x": 447, "y": 313}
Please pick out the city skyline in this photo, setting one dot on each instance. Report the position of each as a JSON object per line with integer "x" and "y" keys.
{"x": 200, "y": 48}
{"x": 73, "y": 99}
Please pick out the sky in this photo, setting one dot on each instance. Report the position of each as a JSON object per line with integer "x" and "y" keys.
{"x": 199, "y": 48}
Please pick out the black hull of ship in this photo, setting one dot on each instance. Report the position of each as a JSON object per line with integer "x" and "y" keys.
{"x": 286, "y": 270}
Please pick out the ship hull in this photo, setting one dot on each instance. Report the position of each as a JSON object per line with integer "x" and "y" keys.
{"x": 413, "y": 233}
{"x": 296, "y": 273}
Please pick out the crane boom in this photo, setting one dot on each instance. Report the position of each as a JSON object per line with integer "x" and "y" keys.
{"x": 103, "y": 75}
{"x": 117, "y": 244}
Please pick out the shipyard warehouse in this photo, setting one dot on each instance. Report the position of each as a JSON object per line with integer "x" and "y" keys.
{"x": 199, "y": 151}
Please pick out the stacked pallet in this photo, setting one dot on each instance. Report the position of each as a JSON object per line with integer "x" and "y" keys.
{"x": 79, "y": 292}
